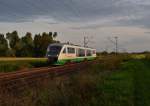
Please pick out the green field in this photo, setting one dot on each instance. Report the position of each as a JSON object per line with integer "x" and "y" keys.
{"x": 113, "y": 81}
{"x": 14, "y": 64}
{"x": 19, "y": 59}
{"x": 128, "y": 87}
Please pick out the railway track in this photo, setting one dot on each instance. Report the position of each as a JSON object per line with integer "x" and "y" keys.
{"x": 18, "y": 80}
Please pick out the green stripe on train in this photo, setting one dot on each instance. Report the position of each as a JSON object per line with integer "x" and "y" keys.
{"x": 80, "y": 59}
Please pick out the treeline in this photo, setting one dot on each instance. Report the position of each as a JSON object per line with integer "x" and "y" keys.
{"x": 13, "y": 45}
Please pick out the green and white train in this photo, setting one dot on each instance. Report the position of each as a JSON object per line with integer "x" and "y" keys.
{"x": 60, "y": 54}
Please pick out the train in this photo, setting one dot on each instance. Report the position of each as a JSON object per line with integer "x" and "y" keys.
{"x": 62, "y": 53}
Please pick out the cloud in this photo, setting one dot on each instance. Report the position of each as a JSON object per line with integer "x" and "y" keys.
{"x": 148, "y": 32}
{"x": 74, "y": 10}
{"x": 73, "y": 17}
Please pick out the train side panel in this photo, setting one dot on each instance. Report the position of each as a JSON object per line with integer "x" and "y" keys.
{"x": 65, "y": 56}
{"x": 68, "y": 55}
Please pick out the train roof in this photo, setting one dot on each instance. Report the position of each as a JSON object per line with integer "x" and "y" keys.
{"x": 63, "y": 44}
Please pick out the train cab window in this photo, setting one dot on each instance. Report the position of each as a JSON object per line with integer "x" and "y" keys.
{"x": 81, "y": 52}
{"x": 71, "y": 50}
{"x": 64, "y": 51}
{"x": 54, "y": 50}
{"x": 89, "y": 53}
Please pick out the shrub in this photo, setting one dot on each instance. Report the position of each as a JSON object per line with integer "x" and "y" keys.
{"x": 111, "y": 62}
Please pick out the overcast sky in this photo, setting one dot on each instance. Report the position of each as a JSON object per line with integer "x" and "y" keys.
{"x": 100, "y": 20}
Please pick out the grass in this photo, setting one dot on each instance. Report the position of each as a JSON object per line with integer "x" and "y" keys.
{"x": 113, "y": 81}
{"x": 138, "y": 56}
{"x": 19, "y": 59}
{"x": 11, "y": 64}
{"x": 128, "y": 87}
{"x": 14, "y": 64}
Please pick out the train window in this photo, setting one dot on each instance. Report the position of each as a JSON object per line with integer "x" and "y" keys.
{"x": 81, "y": 52}
{"x": 64, "y": 51}
{"x": 88, "y": 53}
{"x": 77, "y": 53}
{"x": 94, "y": 52}
{"x": 71, "y": 50}
{"x": 54, "y": 50}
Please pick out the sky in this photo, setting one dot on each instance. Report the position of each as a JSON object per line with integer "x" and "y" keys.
{"x": 99, "y": 20}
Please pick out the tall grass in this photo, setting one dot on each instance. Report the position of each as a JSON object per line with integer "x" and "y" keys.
{"x": 9, "y": 66}
{"x": 80, "y": 89}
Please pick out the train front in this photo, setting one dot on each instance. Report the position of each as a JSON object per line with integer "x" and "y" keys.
{"x": 53, "y": 52}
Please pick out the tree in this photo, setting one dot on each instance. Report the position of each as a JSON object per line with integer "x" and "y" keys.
{"x": 37, "y": 45}
{"x": 3, "y": 45}
{"x": 104, "y": 53}
{"x": 54, "y": 35}
{"x": 46, "y": 39}
{"x": 13, "y": 39}
{"x": 41, "y": 43}
{"x": 50, "y": 34}
{"x": 14, "y": 42}
{"x": 27, "y": 45}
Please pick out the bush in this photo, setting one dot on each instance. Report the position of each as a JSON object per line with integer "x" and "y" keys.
{"x": 111, "y": 62}
{"x": 147, "y": 56}
{"x": 39, "y": 63}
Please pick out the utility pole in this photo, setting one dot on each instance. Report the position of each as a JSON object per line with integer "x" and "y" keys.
{"x": 85, "y": 41}
{"x": 116, "y": 43}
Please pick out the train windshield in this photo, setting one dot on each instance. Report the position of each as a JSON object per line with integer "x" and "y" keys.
{"x": 54, "y": 50}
